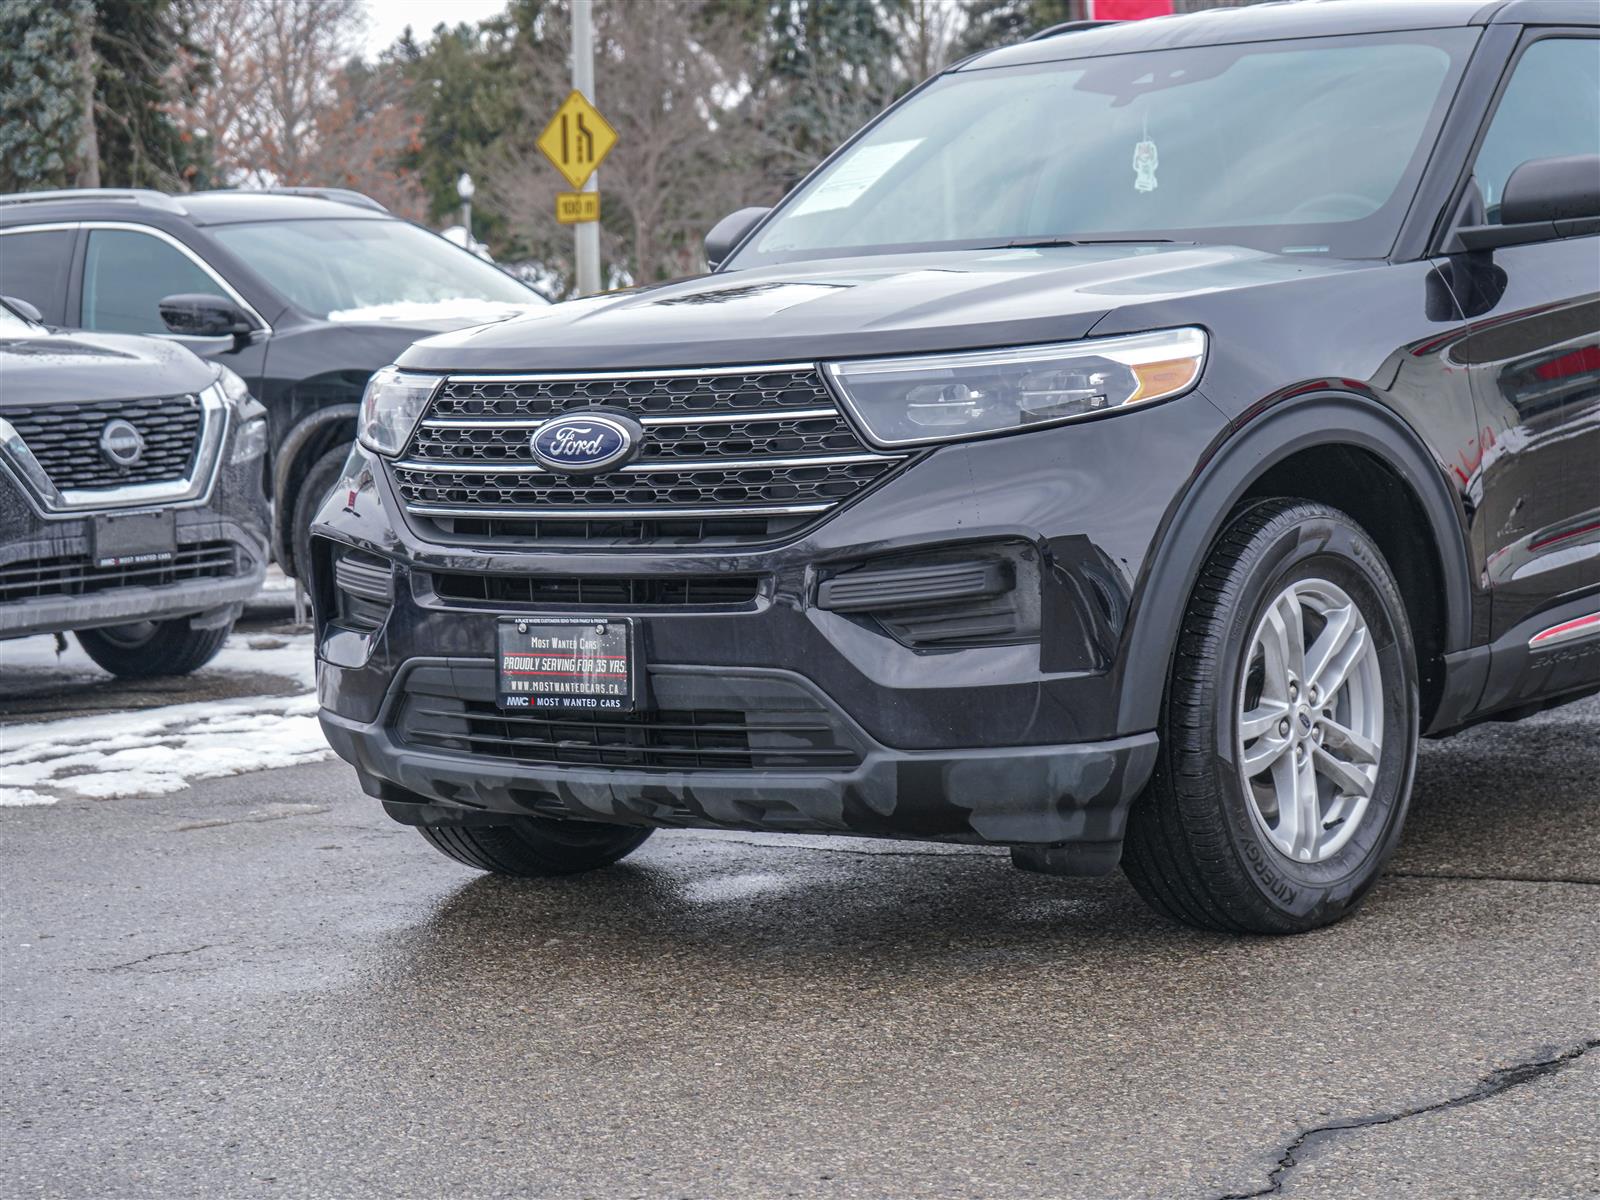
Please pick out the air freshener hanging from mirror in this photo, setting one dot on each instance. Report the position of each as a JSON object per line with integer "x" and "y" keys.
{"x": 1145, "y": 161}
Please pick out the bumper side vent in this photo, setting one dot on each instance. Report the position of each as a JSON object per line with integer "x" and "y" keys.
{"x": 364, "y": 585}
{"x": 944, "y": 600}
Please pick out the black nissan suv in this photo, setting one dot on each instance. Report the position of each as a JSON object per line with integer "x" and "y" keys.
{"x": 131, "y": 509}
{"x": 1122, "y": 451}
{"x": 301, "y": 292}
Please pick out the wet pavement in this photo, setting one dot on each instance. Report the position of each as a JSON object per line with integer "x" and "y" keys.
{"x": 259, "y": 986}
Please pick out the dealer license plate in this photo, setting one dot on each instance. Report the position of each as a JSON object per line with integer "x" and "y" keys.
{"x": 567, "y": 663}
{"x": 133, "y": 539}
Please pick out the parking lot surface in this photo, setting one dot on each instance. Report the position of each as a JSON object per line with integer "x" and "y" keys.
{"x": 256, "y": 985}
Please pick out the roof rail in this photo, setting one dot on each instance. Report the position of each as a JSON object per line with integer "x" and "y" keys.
{"x": 148, "y": 197}
{"x": 337, "y": 194}
{"x": 1069, "y": 27}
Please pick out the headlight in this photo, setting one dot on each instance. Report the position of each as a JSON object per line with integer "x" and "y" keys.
{"x": 249, "y": 424}
{"x": 234, "y": 389}
{"x": 945, "y": 397}
{"x": 389, "y": 411}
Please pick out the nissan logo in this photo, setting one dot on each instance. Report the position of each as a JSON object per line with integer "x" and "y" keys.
{"x": 121, "y": 444}
{"x": 585, "y": 442}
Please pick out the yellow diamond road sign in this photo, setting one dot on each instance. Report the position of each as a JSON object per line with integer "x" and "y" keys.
{"x": 576, "y": 139}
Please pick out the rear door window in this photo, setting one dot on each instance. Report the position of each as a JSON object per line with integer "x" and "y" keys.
{"x": 1550, "y": 109}
{"x": 126, "y": 275}
{"x": 35, "y": 267}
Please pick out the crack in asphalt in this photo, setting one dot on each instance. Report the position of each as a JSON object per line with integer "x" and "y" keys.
{"x": 308, "y": 810}
{"x": 1491, "y": 1085}
{"x": 158, "y": 954}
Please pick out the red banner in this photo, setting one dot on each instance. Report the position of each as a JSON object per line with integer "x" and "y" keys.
{"x": 1127, "y": 10}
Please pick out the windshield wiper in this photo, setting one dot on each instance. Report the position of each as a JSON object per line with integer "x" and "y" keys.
{"x": 1025, "y": 243}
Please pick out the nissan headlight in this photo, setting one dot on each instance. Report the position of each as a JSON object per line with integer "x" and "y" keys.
{"x": 908, "y": 401}
{"x": 391, "y": 407}
{"x": 248, "y": 416}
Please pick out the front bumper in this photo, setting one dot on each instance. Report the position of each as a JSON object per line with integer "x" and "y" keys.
{"x": 44, "y": 562}
{"x": 1009, "y": 796}
{"x": 1014, "y": 743}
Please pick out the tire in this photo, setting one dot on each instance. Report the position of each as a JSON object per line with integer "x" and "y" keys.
{"x": 314, "y": 488}
{"x": 1212, "y": 848}
{"x": 535, "y": 847}
{"x": 147, "y": 648}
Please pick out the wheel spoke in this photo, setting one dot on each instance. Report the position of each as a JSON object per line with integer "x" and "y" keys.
{"x": 1299, "y": 812}
{"x": 1263, "y": 718}
{"x": 1341, "y": 623}
{"x": 1264, "y": 753}
{"x": 1349, "y": 779}
{"x": 1354, "y": 746}
{"x": 1333, "y": 673}
{"x": 1283, "y": 639}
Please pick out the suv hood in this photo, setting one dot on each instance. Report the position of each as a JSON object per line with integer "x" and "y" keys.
{"x": 49, "y": 367}
{"x": 851, "y": 307}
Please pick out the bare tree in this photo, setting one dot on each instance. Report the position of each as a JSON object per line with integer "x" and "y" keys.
{"x": 276, "y": 67}
{"x": 662, "y": 68}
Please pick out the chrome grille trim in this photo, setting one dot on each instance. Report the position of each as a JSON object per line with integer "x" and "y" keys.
{"x": 723, "y": 372}
{"x": 721, "y": 418}
{"x": 621, "y": 514}
{"x": 764, "y": 443}
{"x": 54, "y": 502}
{"x": 657, "y": 466}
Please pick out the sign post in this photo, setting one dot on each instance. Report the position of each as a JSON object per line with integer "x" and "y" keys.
{"x": 587, "y": 233}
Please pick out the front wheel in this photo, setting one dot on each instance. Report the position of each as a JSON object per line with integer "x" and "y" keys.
{"x": 147, "y": 648}
{"x": 1289, "y": 732}
{"x": 531, "y": 847}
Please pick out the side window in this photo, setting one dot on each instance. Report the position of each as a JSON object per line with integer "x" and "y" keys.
{"x": 1550, "y": 108}
{"x": 127, "y": 274}
{"x": 34, "y": 267}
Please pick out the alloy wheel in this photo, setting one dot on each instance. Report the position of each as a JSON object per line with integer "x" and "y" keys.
{"x": 1310, "y": 721}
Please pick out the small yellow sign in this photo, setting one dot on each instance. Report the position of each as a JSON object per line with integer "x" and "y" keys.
{"x": 576, "y": 139}
{"x": 574, "y": 208}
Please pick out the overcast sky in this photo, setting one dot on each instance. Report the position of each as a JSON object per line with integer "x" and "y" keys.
{"x": 387, "y": 19}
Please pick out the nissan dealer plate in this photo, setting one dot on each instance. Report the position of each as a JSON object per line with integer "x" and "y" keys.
{"x": 567, "y": 663}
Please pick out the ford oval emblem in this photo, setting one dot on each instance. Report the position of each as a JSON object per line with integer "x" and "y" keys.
{"x": 585, "y": 442}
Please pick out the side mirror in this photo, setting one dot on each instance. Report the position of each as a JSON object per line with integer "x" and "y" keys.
{"x": 205, "y": 315}
{"x": 23, "y": 308}
{"x": 729, "y": 232}
{"x": 1544, "y": 198}
{"x": 1552, "y": 189}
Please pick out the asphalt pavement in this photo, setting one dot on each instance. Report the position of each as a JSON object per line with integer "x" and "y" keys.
{"x": 258, "y": 986}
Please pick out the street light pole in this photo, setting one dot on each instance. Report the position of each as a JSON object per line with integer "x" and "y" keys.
{"x": 465, "y": 188}
{"x": 586, "y": 234}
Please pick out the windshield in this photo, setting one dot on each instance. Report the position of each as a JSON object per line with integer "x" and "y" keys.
{"x": 370, "y": 270}
{"x": 1309, "y": 146}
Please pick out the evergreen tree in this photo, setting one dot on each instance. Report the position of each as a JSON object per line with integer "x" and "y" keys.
{"x": 42, "y": 92}
{"x": 87, "y": 91}
{"x": 146, "y": 63}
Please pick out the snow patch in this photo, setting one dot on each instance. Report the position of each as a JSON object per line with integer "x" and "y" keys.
{"x": 22, "y": 797}
{"x": 459, "y": 308}
{"x": 152, "y": 751}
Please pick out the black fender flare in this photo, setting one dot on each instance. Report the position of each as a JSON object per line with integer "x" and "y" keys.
{"x": 302, "y": 434}
{"x": 1288, "y": 427}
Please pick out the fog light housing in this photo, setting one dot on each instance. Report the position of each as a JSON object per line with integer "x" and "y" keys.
{"x": 363, "y": 590}
{"x": 946, "y": 599}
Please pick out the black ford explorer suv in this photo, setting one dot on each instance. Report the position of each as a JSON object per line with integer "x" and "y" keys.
{"x": 1123, "y": 450}
{"x": 302, "y": 292}
{"x": 131, "y": 508}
